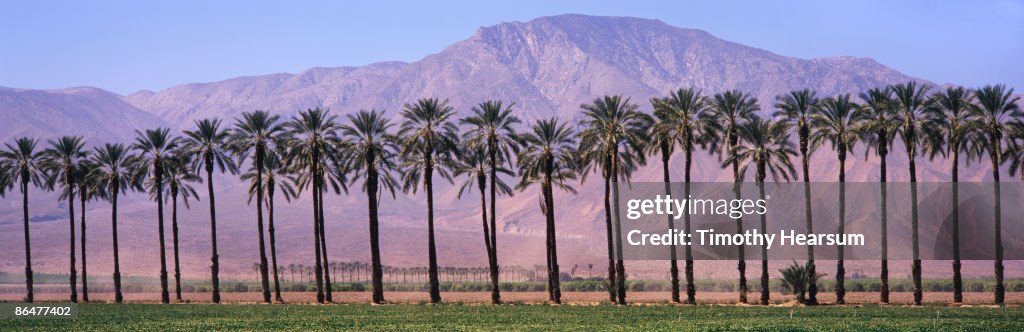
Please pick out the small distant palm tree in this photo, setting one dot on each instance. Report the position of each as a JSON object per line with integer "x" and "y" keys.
{"x": 178, "y": 179}
{"x": 880, "y": 127}
{"x": 275, "y": 177}
{"x": 612, "y": 122}
{"x": 798, "y": 107}
{"x": 548, "y": 158}
{"x": 429, "y": 139}
{"x": 24, "y": 167}
{"x": 493, "y": 129}
{"x": 114, "y": 169}
{"x": 372, "y": 152}
{"x": 911, "y": 105}
{"x": 209, "y": 143}
{"x": 997, "y": 108}
{"x": 311, "y": 142}
{"x": 839, "y": 123}
{"x": 61, "y": 162}
{"x": 765, "y": 144}
{"x": 951, "y": 113}
{"x": 682, "y": 119}
{"x": 731, "y": 109}
{"x": 156, "y": 148}
{"x": 256, "y": 133}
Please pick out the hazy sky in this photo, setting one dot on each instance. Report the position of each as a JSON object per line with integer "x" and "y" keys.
{"x": 125, "y": 46}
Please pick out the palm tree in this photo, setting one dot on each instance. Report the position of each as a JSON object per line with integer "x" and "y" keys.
{"x": 24, "y": 168}
{"x": 997, "y": 108}
{"x": 156, "y": 148}
{"x": 255, "y": 133}
{"x": 951, "y": 113}
{"x": 311, "y": 142}
{"x": 474, "y": 164}
{"x": 428, "y": 140}
{"x": 114, "y": 168}
{"x": 209, "y": 144}
{"x": 683, "y": 119}
{"x": 798, "y": 107}
{"x": 275, "y": 177}
{"x": 178, "y": 182}
{"x": 839, "y": 124}
{"x": 766, "y": 145}
{"x": 731, "y": 109}
{"x": 548, "y": 158}
{"x": 371, "y": 152}
{"x": 61, "y": 163}
{"x": 910, "y": 105}
{"x": 880, "y": 127}
{"x": 492, "y": 127}
{"x": 89, "y": 188}
{"x": 615, "y": 124}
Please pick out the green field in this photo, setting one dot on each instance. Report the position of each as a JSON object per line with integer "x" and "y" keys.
{"x": 203, "y": 317}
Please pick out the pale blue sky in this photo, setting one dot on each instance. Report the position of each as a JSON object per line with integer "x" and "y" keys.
{"x": 125, "y": 46}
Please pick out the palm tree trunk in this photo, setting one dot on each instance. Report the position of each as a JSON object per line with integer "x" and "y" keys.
{"x": 85, "y": 280}
{"x": 264, "y": 275}
{"x": 673, "y": 264}
{"x": 482, "y": 184}
{"x": 316, "y": 240}
{"x": 371, "y": 197}
{"x": 916, "y": 267}
{"x": 612, "y": 290}
{"x": 214, "y": 258}
{"x": 428, "y": 183}
{"x": 884, "y": 275}
{"x": 620, "y": 266}
{"x": 73, "y": 277}
{"x": 741, "y": 263}
{"x": 958, "y": 295}
{"x": 273, "y": 242}
{"x": 164, "y": 294}
{"x": 549, "y": 203}
{"x": 812, "y": 288}
{"x": 765, "y": 292}
{"x": 840, "y": 266}
{"x": 691, "y": 289}
{"x": 118, "y": 298}
{"x": 996, "y": 157}
{"x": 495, "y": 289}
{"x": 328, "y": 289}
{"x": 174, "y": 236}
{"x": 29, "y": 296}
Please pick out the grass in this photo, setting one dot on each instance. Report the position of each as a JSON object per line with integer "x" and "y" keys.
{"x": 141, "y": 317}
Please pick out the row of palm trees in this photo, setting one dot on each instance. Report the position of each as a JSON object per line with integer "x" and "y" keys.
{"x": 315, "y": 152}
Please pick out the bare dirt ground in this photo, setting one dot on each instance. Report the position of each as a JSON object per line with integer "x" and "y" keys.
{"x": 582, "y": 298}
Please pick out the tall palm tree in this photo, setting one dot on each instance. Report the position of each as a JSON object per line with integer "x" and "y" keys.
{"x": 548, "y": 159}
{"x": 951, "y": 113}
{"x": 731, "y": 109}
{"x": 798, "y": 107}
{"x": 114, "y": 169}
{"x": 311, "y": 142}
{"x": 177, "y": 183}
{"x": 682, "y": 119}
{"x": 257, "y": 132}
{"x": 156, "y": 148}
{"x": 910, "y": 105}
{"x": 24, "y": 168}
{"x": 209, "y": 144}
{"x": 492, "y": 127}
{"x": 428, "y": 140}
{"x": 89, "y": 188}
{"x": 372, "y": 153}
{"x": 880, "y": 127}
{"x": 765, "y": 144}
{"x": 996, "y": 109}
{"x": 61, "y": 162}
{"x": 614, "y": 123}
{"x": 839, "y": 123}
{"x": 275, "y": 177}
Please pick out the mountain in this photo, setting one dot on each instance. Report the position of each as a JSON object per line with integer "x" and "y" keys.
{"x": 547, "y": 66}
